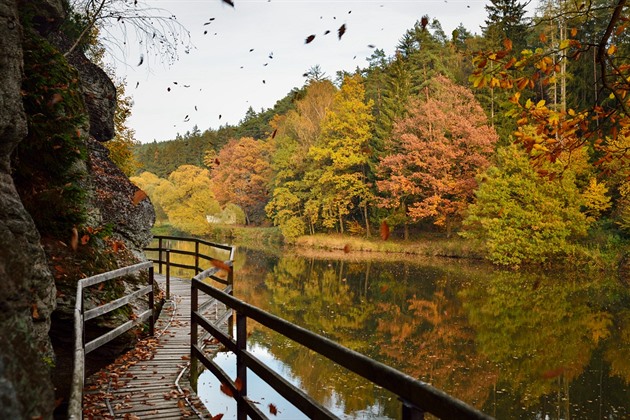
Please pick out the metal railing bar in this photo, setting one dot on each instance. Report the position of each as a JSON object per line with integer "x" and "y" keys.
{"x": 99, "y": 278}
{"x": 417, "y": 392}
{"x": 115, "y": 304}
{"x": 290, "y": 392}
{"x": 109, "y": 336}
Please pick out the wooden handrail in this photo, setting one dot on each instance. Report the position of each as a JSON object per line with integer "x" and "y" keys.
{"x": 417, "y": 397}
{"x": 75, "y": 407}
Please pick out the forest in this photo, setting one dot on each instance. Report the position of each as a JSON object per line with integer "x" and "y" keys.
{"x": 516, "y": 139}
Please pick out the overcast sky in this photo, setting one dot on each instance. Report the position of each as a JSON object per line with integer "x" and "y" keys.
{"x": 223, "y": 78}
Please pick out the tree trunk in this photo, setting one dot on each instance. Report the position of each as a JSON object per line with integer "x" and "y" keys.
{"x": 367, "y": 221}
{"x": 340, "y": 223}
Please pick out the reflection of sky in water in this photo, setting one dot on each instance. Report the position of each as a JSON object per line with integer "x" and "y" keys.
{"x": 257, "y": 390}
{"x": 515, "y": 344}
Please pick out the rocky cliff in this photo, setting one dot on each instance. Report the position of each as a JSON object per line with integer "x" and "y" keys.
{"x": 56, "y": 185}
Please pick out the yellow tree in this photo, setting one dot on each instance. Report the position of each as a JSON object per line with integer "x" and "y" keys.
{"x": 187, "y": 199}
{"x": 121, "y": 146}
{"x": 341, "y": 155}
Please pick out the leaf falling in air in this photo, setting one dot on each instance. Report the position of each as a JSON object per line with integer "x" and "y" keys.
{"x": 346, "y": 248}
{"x": 141, "y": 60}
{"x": 341, "y": 30}
{"x": 74, "y": 241}
{"x": 384, "y": 230}
{"x": 273, "y": 135}
{"x": 273, "y": 409}
{"x": 309, "y": 39}
{"x": 221, "y": 265}
{"x": 230, "y": 2}
{"x": 85, "y": 239}
{"x": 226, "y": 390}
{"x": 424, "y": 21}
{"x": 138, "y": 196}
{"x": 34, "y": 311}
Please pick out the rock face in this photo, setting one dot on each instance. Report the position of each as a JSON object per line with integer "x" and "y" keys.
{"x": 121, "y": 204}
{"x": 27, "y": 295}
{"x": 36, "y": 302}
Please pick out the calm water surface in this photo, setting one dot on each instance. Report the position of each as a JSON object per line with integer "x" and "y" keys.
{"x": 515, "y": 345}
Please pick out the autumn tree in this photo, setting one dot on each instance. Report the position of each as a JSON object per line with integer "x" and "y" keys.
{"x": 596, "y": 123}
{"x": 122, "y": 145}
{"x": 292, "y": 206}
{"x": 442, "y": 145}
{"x": 149, "y": 183}
{"x": 187, "y": 199}
{"x": 521, "y": 217}
{"x": 241, "y": 175}
{"x": 341, "y": 157}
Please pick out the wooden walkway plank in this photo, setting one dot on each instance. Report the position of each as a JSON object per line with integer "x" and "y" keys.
{"x": 147, "y": 382}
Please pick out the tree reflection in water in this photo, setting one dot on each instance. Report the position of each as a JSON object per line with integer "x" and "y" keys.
{"x": 516, "y": 345}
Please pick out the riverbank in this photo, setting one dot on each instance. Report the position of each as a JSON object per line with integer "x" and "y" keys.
{"x": 604, "y": 254}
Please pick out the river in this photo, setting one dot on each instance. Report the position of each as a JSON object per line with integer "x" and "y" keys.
{"x": 517, "y": 345}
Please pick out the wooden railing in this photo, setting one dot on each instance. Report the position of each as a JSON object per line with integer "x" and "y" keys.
{"x": 164, "y": 252}
{"x": 81, "y": 348}
{"x": 416, "y": 397}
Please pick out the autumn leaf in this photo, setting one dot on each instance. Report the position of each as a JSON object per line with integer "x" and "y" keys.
{"x": 56, "y": 98}
{"x": 273, "y": 409}
{"x": 346, "y": 248}
{"x": 138, "y": 196}
{"x": 74, "y": 241}
{"x": 217, "y": 417}
{"x": 384, "y": 288}
{"x": 384, "y": 230}
{"x": 85, "y": 239}
{"x": 221, "y": 265}
{"x": 181, "y": 404}
{"x": 226, "y": 390}
{"x": 34, "y": 311}
{"x": 507, "y": 43}
{"x": 185, "y": 357}
{"x": 341, "y": 30}
{"x": 238, "y": 384}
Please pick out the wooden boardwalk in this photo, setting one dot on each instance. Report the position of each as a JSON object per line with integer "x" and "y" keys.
{"x": 151, "y": 381}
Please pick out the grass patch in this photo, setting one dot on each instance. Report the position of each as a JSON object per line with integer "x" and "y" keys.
{"x": 430, "y": 247}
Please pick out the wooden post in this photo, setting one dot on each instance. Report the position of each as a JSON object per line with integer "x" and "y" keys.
{"x": 411, "y": 411}
{"x": 151, "y": 303}
{"x": 230, "y": 279}
{"x": 241, "y": 368}
{"x": 168, "y": 273}
{"x": 194, "y": 306}
{"x": 197, "y": 268}
{"x": 160, "y": 255}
